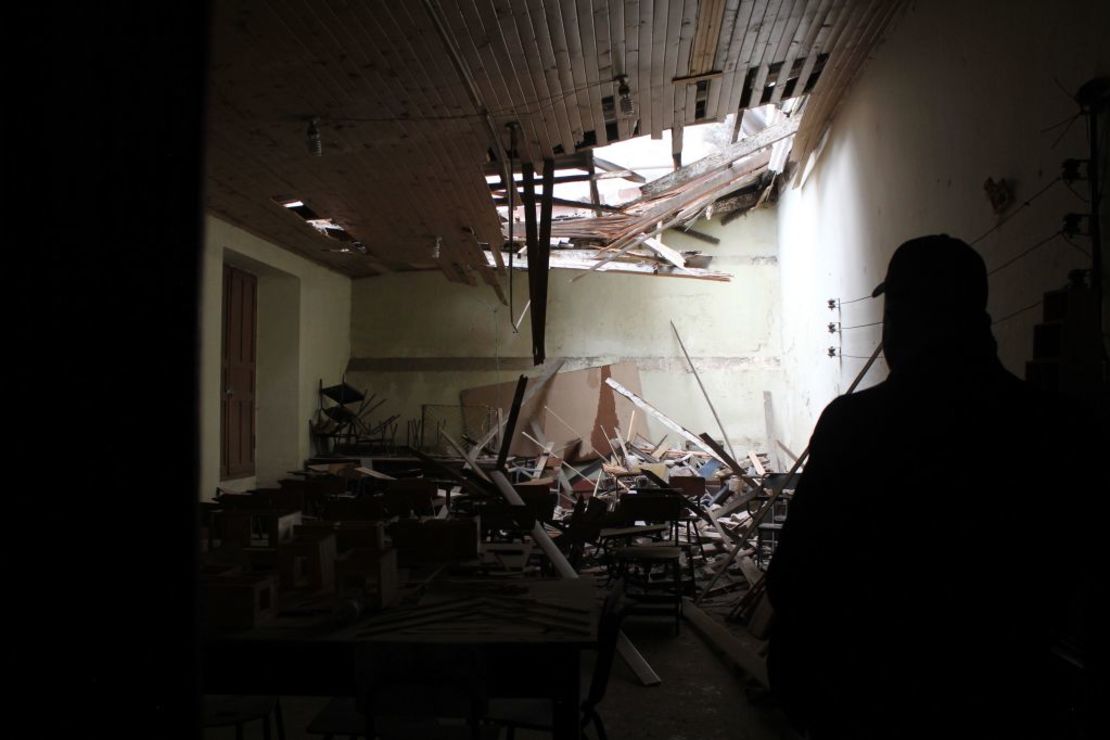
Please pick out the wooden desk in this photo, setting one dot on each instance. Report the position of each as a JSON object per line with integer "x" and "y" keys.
{"x": 531, "y": 634}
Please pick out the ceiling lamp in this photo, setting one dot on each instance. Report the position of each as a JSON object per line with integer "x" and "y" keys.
{"x": 626, "y": 94}
{"x": 312, "y": 138}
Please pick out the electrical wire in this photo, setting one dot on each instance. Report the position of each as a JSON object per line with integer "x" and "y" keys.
{"x": 861, "y": 326}
{"x": 1009, "y": 316}
{"x": 1075, "y": 192}
{"x": 1020, "y": 208}
{"x": 1025, "y": 253}
{"x": 1074, "y": 245}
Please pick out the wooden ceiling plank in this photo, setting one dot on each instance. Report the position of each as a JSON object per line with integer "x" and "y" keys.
{"x": 589, "y": 52}
{"x": 763, "y": 57}
{"x": 352, "y": 29}
{"x": 817, "y": 108}
{"x": 484, "y": 33}
{"x": 346, "y": 164}
{"x": 538, "y": 47}
{"x": 642, "y": 91}
{"x": 567, "y": 20}
{"x": 661, "y": 15}
{"x": 463, "y": 174}
{"x": 814, "y": 47}
{"x": 268, "y": 161}
{"x": 307, "y": 18}
{"x": 449, "y": 216}
{"x": 803, "y": 47}
{"x": 721, "y": 159}
{"x": 749, "y": 14}
{"x": 743, "y": 59}
{"x": 706, "y": 34}
{"x": 606, "y": 69}
{"x": 826, "y": 41}
{"x": 676, "y": 17}
{"x": 529, "y": 74}
{"x": 478, "y": 61}
{"x": 246, "y": 213}
{"x": 789, "y": 42}
{"x": 308, "y": 94}
{"x": 683, "y": 94}
{"x": 761, "y": 54}
{"x": 548, "y": 22}
{"x": 624, "y": 28}
{"x": 719, "y": 56}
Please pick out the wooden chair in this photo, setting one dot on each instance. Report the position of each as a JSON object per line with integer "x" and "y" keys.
{"x": 226, "y": 711}
{"x": 536, "y": 714}
{"x": 635, "y": 563}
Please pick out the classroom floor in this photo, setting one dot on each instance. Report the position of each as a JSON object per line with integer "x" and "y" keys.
{"x": 701, "y": 698}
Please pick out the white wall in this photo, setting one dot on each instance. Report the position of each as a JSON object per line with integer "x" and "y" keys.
{"x": 959, "y": 92}
{"x": 730, "y": 329}
{"x": 304, "y": 314}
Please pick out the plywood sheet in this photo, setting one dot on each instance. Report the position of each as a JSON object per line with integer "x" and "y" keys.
{"x": 575, "y": 405}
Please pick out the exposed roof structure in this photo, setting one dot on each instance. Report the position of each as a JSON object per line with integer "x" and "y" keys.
{"x": 378, "y": 122}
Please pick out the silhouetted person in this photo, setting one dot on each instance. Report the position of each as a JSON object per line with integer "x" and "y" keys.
{"x": 939, "y": 541}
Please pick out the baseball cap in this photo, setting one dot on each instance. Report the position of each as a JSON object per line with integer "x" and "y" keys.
{"x": 936, "y": 270}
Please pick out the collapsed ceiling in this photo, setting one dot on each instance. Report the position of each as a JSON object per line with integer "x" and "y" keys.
{"x": 360, "y": 134}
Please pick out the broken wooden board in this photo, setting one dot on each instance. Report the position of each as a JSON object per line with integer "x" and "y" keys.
{"x": 737, "y": 644}
{"x": 662, "y": 418}
{"x": 575, "y": 405}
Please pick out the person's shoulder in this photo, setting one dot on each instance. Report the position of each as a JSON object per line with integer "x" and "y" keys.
{"x": 864, "y": 402}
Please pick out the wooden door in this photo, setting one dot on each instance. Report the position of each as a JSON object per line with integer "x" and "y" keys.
{"x": 237, "y": 407}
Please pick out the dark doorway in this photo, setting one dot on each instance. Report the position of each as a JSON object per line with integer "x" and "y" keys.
{"x": 238, "y": 375}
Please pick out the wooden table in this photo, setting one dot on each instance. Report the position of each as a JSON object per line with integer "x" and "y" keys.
{"x": 530, "y": 633}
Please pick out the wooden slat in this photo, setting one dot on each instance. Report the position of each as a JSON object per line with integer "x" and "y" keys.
{"x": 450, "y": 221}
{"x": 681, "y": 93}
{"x": 815, "y": 46}
{"x": 584, "y": 23}
{"x": 724, "y": 41}
{"x": 851, "y": 54}
{"x": 763, "y": 50}
{"x": 558, "y": 77}
{"x": 800, "y": 44}
{"x": 642, "y": 91}
{"x": 782, "y": 40}
{"x": 567, "y": 18}
{"x": 501, "y": 36}
{"x": 675, "y": 18}
{"x": 626, "y": 55}
{"x": 604, "y": 10}
{"x": 747, "y": 28}
{"x": 695, "y": 170}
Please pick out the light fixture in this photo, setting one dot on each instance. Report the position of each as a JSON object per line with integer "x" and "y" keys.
{"x": 312, "y": 138}
{"x": 626, "y": 94}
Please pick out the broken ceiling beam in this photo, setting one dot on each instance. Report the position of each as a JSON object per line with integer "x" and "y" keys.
{"x": 586, "y": 259}
{"x": 694, "y": 79}
{"x": 595, "y": 193}
{"x": 704, "y": 392}
{"x": 607, "y": 166}
{"x": 538, "y": 278}
{"x": 663, "y": 419}
{"x": 707, "y": 36}
{"x": 722, "y": 159}
{"x": 700, "y": 235}
{"x": 670, "y": 255}
{"x": 571, "y": 203}
{"x": 499, "y": 186}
